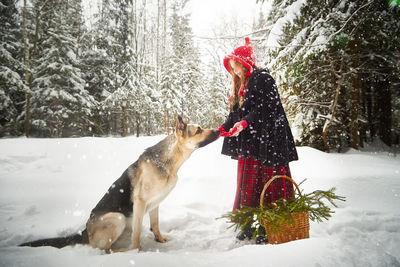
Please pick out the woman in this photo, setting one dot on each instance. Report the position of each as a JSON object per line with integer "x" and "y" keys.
{"x": 257, "y": 133}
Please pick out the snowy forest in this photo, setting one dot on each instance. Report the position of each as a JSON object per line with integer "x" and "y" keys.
{"x": 135, "y": 64}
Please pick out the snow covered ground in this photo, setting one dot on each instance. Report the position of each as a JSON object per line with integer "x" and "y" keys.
{"x": 49, "y": 186}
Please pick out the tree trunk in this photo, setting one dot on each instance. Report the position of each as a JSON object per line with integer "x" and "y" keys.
{"x": 385, "y": 111}
{"x": 370, "y": 106}
{"x": 36, "y": 39}
{"x": 363, "y": 106}
{"x": 124, "y": 120}
{"x": 166, "y": 120}
{"x": 355, "y": 98}
{"x": 137, "y": 116}
{"x": 27, "y": 75}
{"x": 339, "y": 76}
{"x": 164, "y": 41}
{"x": 157, "y": 67}
{"x": 144, "y": 34}
{"x": 163, "y": 63}
{"x": 137, "y": 128}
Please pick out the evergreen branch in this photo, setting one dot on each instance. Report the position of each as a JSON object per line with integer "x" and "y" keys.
{"x": 282, "y": 210}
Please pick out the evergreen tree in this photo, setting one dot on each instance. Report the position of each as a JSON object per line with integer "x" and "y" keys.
{"x": 216, "y": 97}
{"x": 61, "y": 105}
{"x": 133, "y": 97}
{"x": 259, "y": 27}
{"x": 96, "y": 73}
{"x": 336, "y": 61}
{"x": 11, "y": 83}
{"x": 184, "y": 65}
{"x": 169, "y": 94}
{"x": 100, "y": 67}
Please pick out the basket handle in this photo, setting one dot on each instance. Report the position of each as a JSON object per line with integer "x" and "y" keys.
{"x": 270, "y": 181}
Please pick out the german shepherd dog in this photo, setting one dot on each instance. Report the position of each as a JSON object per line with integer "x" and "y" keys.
{"x": 139, "y": 190}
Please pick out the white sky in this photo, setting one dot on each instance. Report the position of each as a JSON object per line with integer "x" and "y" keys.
{"x": 210, "y": 15}
{"x": 206, "y": 14}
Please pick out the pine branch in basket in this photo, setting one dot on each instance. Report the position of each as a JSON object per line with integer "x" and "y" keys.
{"x": 281, "y": 211}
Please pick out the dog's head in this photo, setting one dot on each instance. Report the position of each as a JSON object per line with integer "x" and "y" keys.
{"x": 192, "y": 136}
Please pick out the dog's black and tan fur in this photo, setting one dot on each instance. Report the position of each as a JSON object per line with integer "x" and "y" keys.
{"x": 139, "y": 190}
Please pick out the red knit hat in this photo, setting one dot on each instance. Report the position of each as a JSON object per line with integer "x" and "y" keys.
{"x": 244, "y": 55}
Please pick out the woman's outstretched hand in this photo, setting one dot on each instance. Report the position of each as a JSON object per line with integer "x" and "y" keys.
{"x": 235, "y": 131}
{"x": 238, "y": 127}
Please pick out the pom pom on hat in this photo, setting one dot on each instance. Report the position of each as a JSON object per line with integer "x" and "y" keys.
{"x": 247, "y": 41}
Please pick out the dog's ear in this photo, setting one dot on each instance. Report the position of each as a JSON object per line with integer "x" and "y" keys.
{"x": 182, "y": 120}
{"x": 181, "y": 126}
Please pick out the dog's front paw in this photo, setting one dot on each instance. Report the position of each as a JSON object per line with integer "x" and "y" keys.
{"x": 161, "y": 239}
{"x": 135, "y": 247}
{"x": 118, "y": 250}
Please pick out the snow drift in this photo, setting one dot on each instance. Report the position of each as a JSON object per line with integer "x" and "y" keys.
{"x": 49, "y": 186}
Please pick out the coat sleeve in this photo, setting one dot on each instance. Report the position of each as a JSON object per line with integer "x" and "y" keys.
{"x": 228, "y": 124}
{"x": 258, "y": 98}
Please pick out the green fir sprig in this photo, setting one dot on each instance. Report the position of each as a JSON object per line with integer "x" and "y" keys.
{"x": 281, "y": 211}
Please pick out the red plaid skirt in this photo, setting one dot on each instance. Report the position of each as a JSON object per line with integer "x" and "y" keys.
{"x": 252, "y": 176}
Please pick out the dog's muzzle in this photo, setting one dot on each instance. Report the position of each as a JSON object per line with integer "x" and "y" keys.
{"x": 211, "y": 138}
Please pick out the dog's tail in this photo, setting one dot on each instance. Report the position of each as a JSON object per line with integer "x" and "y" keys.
{"x": 59, "y": 242}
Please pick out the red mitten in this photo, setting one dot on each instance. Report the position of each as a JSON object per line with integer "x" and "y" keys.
{"x": 244, "y": 124}
{"x": 223, "y": 132}
{"x": 238, "y": 127}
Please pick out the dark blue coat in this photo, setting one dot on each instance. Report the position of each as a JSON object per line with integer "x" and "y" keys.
{"x": 268, "y": 136}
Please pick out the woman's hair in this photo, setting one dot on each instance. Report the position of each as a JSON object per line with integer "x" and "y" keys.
{"x": 237, "y": 82}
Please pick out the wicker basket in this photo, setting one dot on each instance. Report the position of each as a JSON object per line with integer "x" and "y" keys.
{"x": 287, "y": 232}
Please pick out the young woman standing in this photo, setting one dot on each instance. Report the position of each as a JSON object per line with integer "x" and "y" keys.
{"x": 257, "y": 133}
